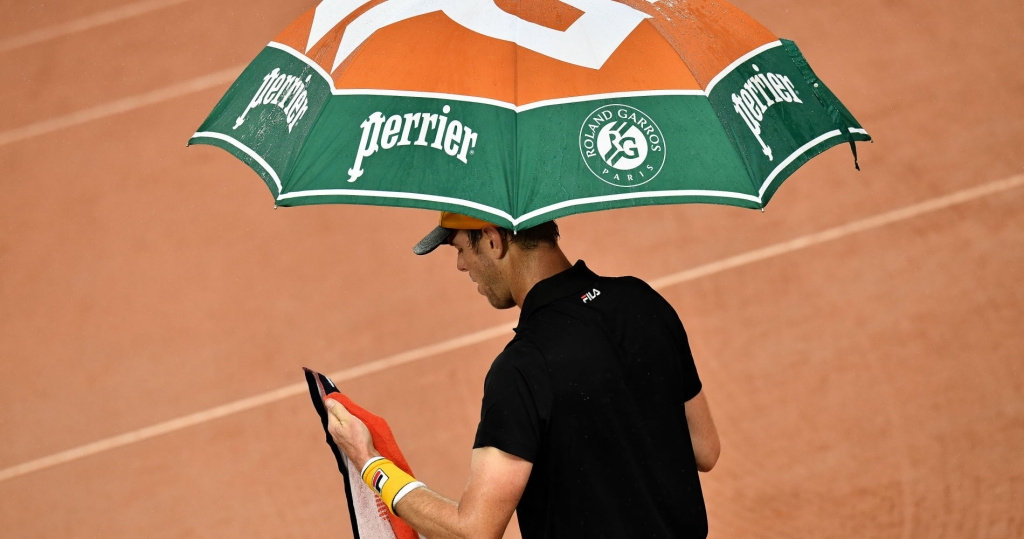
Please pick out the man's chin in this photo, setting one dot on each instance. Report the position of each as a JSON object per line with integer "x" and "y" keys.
{"x": 501, "y": 303}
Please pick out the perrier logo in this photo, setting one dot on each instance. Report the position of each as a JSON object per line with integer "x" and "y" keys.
{"x": 622, "y": 146}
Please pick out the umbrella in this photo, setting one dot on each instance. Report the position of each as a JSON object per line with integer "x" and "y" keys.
{"x": 521, "y": 112}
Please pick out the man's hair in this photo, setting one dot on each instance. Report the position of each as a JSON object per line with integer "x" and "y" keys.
{"x": 526, "y": 239}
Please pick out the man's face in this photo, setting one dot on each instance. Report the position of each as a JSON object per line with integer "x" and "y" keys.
{"x": 482, "y": 270}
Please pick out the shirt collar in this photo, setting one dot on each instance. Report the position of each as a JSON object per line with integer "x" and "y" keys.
{"x": 558, "y": 286}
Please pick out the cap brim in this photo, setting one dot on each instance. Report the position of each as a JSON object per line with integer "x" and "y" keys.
{"x": 432, "y": 240}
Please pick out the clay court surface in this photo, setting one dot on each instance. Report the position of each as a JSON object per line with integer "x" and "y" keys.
{"x": 860, "y": 343}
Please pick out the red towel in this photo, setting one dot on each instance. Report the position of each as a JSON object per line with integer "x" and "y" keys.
{"x": 370, "y": 516}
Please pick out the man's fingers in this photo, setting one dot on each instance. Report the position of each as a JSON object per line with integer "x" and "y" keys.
{"x": 348, "y": 431}
{"x": 336, "y": 414}
{"x": 338, "y": 417}
{"x": 336, "y": 409}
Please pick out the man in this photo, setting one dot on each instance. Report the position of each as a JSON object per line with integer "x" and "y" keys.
{"x": 594, "y": 423}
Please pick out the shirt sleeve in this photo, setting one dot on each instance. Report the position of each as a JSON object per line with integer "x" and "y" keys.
{"x": 517, "y": 402}
{"x": 690, "y": 385}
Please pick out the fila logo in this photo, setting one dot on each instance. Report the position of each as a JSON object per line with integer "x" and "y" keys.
{"x": 590, "y": 296}
{"x": 379, "y": 478}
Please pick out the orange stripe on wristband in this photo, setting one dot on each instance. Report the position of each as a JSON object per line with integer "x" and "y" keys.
{"x": 388, "y": 481}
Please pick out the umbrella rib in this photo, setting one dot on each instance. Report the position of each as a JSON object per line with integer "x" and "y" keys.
{"x": 399, "y": 195}
{"x": 514, "y": 195}
{"x": 792, "y": 157}
{"x": 248, "y": 151}
{"x": 644, "y": 194}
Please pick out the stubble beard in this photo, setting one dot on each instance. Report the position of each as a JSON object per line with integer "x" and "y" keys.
{"x": 490, "y": 286}
{"x": 501, "y": 303}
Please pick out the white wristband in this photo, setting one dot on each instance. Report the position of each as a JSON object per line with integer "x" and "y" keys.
{"x": 405, "y": 490}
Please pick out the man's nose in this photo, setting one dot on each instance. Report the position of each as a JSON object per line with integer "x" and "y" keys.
{"x": 460, "y": 265}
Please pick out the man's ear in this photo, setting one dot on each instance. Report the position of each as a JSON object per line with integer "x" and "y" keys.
{"x": 494, "y": 242}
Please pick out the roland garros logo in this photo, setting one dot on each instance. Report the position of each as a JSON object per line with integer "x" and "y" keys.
{"x": 622, "y": 146}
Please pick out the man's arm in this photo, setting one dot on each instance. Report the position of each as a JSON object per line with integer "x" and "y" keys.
{"x": 703, "y": 435}
{"x": 496, "y": 482}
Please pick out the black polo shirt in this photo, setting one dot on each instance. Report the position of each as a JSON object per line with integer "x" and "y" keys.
{"x": 591, "y": 391}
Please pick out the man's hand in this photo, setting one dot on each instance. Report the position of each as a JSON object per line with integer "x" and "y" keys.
{"x": 496, "y": 482}
{"x": 349, "y": 433}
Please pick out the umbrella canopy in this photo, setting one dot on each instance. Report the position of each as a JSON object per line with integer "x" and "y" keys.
{"x": 522, "y": 112}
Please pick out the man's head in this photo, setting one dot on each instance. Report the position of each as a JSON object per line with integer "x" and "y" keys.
{"x": 494, "y": 257}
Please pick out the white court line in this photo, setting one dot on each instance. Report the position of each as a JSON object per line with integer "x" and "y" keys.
{"x": 501, "y": 330}
{"x": 198, "y": 84}
{"x": 249, "y": 403}
{"x": 85, "y": 23}
{"x": 831, "y": 234}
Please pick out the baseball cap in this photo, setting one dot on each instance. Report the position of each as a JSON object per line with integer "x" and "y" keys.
{"x": 449, "y": 223}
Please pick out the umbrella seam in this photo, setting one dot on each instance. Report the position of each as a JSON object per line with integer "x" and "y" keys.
{"x": 755, "y": 183}
{"x": 514, "y": 203}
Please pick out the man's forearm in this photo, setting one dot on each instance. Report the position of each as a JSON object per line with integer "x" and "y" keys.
{"x": 497, "y": 480}
{"x": 433, "y": 515}
{"x": 703, "y": 435}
